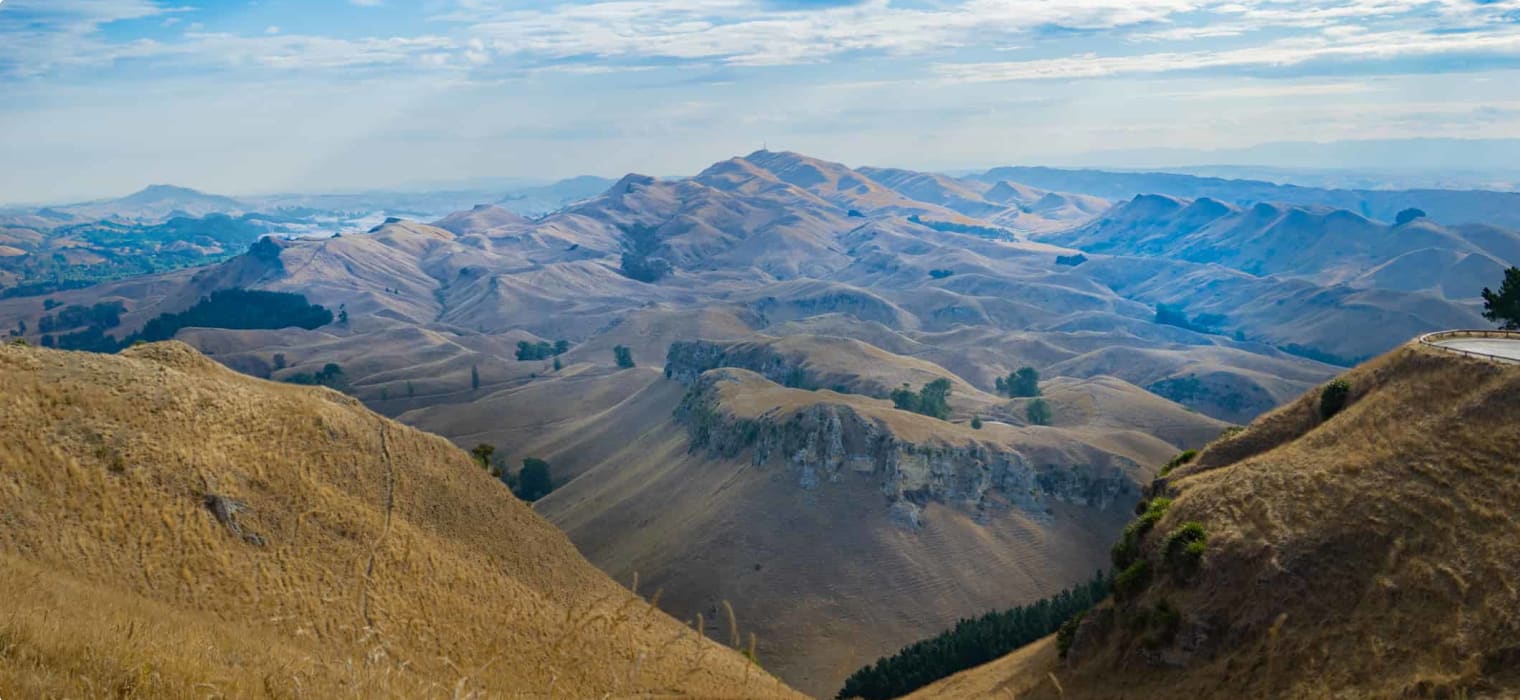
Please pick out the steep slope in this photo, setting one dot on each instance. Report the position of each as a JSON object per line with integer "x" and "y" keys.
{"x": 1368, "y": 555}
{"x": 172, "y": 528}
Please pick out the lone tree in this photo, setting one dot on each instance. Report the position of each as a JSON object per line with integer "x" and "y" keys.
{"x": 533, "y": 481}
{"x": 1038, "y": 412}
{"x": 1504, "y": 308}
{"x": 482, "y": 454}
{"x": 474, "y": 376}
{"x": 623, "y": 355}
{"x": 1408, "y": 215}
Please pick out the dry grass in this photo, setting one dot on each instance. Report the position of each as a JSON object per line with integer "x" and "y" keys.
{"x": 374, "y": 560}
{"x": 1372, "y": 555}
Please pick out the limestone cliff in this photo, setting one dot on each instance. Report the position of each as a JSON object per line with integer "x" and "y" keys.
{"x": 825, "y": 437}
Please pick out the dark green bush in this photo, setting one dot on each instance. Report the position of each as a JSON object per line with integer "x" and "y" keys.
{"x": 1333, "y": 398}
{"x": 1132, "y": 580}
{"x": 1126, "y": 551}
{"x": 623, "y": 356}
{"x": 534, "y": 482}
{"x": 1038, "y": 412}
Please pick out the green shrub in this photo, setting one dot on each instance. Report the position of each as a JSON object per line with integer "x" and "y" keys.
{"x": 1333, "y": 398}
{"x": 1126, "y": 551}
{"x": 1184, "y": 535}
{"x": 1132, "y": 580}
{"x": 1068, "y": 633}
{"x": 976, "y": 422}
{"x": 1178, "y": 461}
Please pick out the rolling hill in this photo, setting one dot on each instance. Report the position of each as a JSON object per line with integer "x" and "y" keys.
{"x": 174, "y": 528}
{"x": 772, "y": 304}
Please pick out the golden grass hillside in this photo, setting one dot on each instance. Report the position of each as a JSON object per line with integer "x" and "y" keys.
{"x": 171, "y": 529}
{"x": 1370, "y": 555}
{"x": 834, "y": 574}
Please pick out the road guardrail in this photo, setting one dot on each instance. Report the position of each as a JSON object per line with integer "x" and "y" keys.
{"x": 1433, "y": 340}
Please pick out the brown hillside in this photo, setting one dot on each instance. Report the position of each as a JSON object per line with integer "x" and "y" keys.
{"x": 173, "y": 529}
{"x": 837, "y": 527}
{"x": 1370, "y": 555}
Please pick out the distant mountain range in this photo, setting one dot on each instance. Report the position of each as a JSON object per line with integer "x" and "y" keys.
{"x": 1457, "y": 157}
{"x": 1446, "y": 206}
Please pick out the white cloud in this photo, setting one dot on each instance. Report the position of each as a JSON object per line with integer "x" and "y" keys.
{"x": 1363, "y": 46}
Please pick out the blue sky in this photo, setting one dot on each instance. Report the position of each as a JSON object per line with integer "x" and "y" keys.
{"x": 101, "y": 97}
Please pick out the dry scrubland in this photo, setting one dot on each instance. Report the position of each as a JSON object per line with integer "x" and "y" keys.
{"x": 1372, "y": 555}
{"x": 169, "y": 528}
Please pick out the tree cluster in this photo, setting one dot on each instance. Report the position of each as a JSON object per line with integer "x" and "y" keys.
{"x": 1025, "y": 382}
{"x": 1174, "y": 315}
{"x": 541, "y": 350}
{"x": 240, "y": 309}
{"x": 104, "y": 315}
{"x": 971, "y": 643}
{"x": 988, "y": 232}
{"x": 932, "y": 400}
{"x": 331, "y": 375}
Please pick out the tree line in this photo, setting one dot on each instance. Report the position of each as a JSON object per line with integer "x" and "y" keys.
{"x": 972, "y": 642}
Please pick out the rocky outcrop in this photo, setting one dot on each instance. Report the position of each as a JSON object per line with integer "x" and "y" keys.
{"x": 688, "y": 359}
{"x": 825, "y": 443}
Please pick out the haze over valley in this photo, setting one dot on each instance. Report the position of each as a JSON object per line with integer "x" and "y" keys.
{"x": 759, "y": 349}
{"x": 755, "y": 455}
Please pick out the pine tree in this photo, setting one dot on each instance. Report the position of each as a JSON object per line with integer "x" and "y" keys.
{"x": 1503, "y": 308}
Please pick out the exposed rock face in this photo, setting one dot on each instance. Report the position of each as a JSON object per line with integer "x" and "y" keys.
{"x": 826, "y": 443}
{"x": 687, "y": 360}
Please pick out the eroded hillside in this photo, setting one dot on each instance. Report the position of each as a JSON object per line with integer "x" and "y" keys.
{"x": 173, "y": 529}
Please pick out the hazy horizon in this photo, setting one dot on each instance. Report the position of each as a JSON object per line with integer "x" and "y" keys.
{"x": 105, "y": 96}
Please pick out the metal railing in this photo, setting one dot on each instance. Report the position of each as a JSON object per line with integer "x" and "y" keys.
{"x": 1433, "y": 340}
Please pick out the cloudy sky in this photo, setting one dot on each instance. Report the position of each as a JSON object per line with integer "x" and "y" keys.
{"x": 100, "y": 97}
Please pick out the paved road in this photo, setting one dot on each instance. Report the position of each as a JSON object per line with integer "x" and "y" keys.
{"x": 1488, "y": 346}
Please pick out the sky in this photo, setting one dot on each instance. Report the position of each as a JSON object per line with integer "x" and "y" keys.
{"x": 101, "y": 97}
